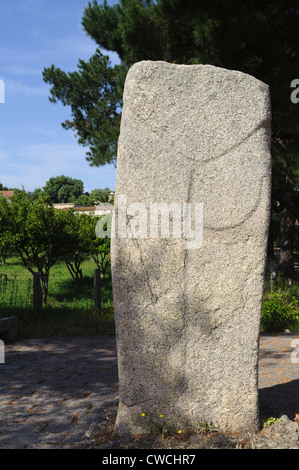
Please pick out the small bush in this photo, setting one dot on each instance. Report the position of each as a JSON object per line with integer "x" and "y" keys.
{"x": 266, "y": 422}
{"x": 15, "y": 293}
{"x": 279, "y": 311}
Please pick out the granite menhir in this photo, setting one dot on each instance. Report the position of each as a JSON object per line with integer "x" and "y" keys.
{"x": 189, "y": 240}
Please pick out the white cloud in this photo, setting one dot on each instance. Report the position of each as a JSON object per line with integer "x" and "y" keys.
{"x": 13, "y": 87}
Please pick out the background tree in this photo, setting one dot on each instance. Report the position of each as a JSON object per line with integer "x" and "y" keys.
{"x": 83, "y": 243}
{"x": 36, "y": 193}
{"x": 100, "y": 195}
{"x": 38, "y": 235}
{"x": 63, "y": 189}
{"x": 100, "y": 253}
{"x": 95, "y": 96}
{"x": 83, "y": 200}
{"x": 70, "y": 192}
{"x": 79, "y": 231}
{"x": 6, "y": 239}
{"x": 285, "y": 183}
{"x": 258, "y": 38}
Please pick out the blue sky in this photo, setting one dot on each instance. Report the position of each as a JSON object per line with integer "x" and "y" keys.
{"x": 33, "y": 145}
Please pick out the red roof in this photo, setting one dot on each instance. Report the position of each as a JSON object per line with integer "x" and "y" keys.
{"x": 96, "y": 208}
{"x": 84, "y": 208}
{"x": 7, "y": 193}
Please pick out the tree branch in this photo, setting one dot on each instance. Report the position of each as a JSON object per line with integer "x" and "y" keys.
{"x": 285, "y": 7}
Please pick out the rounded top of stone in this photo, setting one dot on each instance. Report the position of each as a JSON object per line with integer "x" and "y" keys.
{"x": 144, "y": 65}
{"x": 209, "y": 126}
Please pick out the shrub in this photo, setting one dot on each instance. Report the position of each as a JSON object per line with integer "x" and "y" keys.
{"x": 279, "y": 311}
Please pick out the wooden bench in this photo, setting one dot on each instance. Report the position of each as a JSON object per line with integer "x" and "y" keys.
{"x": 8, "y": 328}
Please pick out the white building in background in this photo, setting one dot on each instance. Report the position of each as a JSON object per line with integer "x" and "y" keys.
{"x": 96, "y": 211}
{"x": 99, "y": 210}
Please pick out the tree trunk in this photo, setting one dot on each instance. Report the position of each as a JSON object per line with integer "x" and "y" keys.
{"x": 45, "y": 282}
{"x": 37, "y": 295}
{"x": 287, "y": 231}
{"x": 289, "y": 209}
{"x": 97, "y": 290}
{"x": 76, "y": 273}
{"x": 272, "y": 264}
{"x": 270, "y": 246}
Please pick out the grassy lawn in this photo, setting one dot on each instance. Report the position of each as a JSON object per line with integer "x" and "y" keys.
{"x": 70, "y": 307}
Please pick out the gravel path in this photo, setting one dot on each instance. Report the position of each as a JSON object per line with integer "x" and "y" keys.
{"x": 53, "y": 390}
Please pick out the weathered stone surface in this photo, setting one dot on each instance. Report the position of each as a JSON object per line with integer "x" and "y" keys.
{"x": 188, "y": 310}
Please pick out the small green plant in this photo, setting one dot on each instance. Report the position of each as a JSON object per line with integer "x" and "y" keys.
{"x": 157, "y": 424}
{"x": 279, "y": 311}
{"x": 204, "y": 427}
{"x": 267, "y": 422}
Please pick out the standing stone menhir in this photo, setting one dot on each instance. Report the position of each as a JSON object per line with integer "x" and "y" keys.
{"x": 194, "y": 144}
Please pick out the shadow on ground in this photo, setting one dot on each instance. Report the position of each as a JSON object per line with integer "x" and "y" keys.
{"x": 278, "y": 400}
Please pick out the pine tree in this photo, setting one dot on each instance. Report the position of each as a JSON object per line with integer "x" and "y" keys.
{"x": 258, "y": 38}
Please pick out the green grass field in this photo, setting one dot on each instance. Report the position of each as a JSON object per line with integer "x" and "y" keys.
{"x": 70, "y": 307}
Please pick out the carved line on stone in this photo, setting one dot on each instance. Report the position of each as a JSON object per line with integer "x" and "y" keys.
{"x": 263, "y": 124}
{"x": 211, "y": 227}
{"x": 247, "y": 216}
